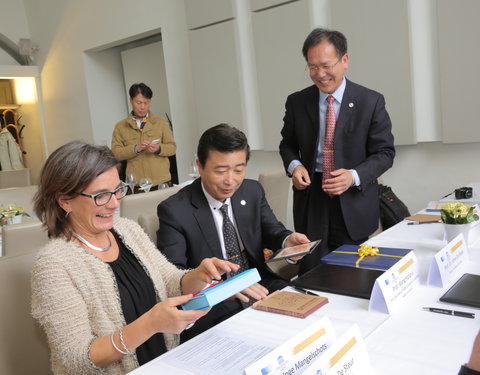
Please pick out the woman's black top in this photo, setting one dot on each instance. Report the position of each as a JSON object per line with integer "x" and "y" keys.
{"x": 137, "y": 296}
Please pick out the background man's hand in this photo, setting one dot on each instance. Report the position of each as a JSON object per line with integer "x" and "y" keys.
{"x": 153, "y": 147}
{"x": 341, "y": 181}
{"x": 300, "y": 178}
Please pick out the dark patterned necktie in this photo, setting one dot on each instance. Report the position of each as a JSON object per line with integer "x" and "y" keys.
{"x": 232, "y": 247}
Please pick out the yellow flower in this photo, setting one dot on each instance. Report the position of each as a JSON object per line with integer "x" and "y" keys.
{"x": 8, "y": 211}
{"x": 457, "y": 213}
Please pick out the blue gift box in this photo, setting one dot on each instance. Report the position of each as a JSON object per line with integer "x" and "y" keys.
{"x": 217, "y": 293}
{"x": 347, "y": 255}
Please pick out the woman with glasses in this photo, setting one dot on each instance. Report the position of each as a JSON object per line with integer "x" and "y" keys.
{"x": 106, "y": 297}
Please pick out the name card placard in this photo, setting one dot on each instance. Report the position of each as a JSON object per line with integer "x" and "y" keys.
{"x": 296, "y": 354}
{"x": 347, "y": 356}
{"x": 435, "y": 206}
{"x": 447, "y": 264}
{"x": 393, "y": 287}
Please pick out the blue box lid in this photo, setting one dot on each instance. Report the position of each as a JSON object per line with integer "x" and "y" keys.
{"x": 217, "y": 293}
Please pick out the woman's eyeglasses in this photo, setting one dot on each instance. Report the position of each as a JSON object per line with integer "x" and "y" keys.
{"x": 101, "y": 199}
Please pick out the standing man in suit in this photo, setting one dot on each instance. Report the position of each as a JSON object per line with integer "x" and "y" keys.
{"x": 192, "y": 221}
{"x": 336, "y": 202}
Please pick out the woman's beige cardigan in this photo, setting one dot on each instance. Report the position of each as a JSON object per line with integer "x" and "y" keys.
{"x": 75, "y": 298}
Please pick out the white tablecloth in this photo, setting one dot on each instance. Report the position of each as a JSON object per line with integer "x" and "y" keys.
{"x": 411, "y": 341}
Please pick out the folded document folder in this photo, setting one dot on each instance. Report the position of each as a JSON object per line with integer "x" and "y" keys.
{"x": 466, "y": 291}
{"x": 219, "y": 292}
{"x": 349, "y": 281}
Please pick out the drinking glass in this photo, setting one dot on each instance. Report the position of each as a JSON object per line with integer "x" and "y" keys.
{"x": 145, "y": 184}
{"x": 131, "y": 181}
{"x": 194, "y": 168}
{"x": 163, "y": 185}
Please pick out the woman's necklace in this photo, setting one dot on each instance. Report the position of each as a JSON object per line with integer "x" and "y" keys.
{"x": 90, "y": 246}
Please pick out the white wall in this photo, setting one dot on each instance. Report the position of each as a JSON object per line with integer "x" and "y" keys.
{"x": 64, "y": 29}
{"x": 430, "y": 169}
{"x": 13, "y": 25}
{"x": 104, "y": 69}
{"x": 83, "y": 96}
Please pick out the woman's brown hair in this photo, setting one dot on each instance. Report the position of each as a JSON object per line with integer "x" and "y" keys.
{"x": 68, "y": 170}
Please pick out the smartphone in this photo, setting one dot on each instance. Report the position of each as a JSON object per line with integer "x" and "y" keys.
{"x": 155, "y": 141}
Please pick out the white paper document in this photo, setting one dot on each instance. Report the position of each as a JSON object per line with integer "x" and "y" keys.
{"x": 218, "y": 353}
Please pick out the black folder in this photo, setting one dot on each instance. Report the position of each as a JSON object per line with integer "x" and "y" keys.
{"x": 466, "y": 291}
{"x": 349, "y": 281}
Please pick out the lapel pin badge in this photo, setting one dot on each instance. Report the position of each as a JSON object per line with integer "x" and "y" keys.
{"x": 242, "y": 202}
{"x": 350, "y": 105}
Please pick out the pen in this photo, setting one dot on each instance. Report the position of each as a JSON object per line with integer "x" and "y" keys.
{"x": 422, "y": 222}
{"x": 305, "y": 291}
{"x": 463, "y": 314}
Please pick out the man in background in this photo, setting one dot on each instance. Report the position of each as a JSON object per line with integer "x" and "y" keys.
{"x": 336, "y": 142}
{"x": 144, "y": 140}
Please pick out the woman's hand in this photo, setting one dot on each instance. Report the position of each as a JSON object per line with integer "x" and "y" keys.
{"x": 165, "y": 317}
{"x": 210, "y": 269}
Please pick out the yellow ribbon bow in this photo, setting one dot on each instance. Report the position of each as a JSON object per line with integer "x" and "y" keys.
{"x": 366, "y": 250}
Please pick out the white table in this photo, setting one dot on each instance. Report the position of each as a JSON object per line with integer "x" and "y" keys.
{"x": 411, "y": 341}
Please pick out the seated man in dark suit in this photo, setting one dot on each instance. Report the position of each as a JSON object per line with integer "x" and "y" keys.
{"x": 192, "y": 225}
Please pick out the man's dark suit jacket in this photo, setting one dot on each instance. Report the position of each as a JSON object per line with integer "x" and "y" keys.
{"x": 363, "y": 141}
{"x": 188, "y": 234}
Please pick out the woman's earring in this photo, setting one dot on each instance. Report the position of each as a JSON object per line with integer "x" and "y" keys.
{"x": 67, "y": 213}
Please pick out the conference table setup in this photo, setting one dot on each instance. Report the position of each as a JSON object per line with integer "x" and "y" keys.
{"x": 416, "y": 341}
{"x": 401, "y": 334}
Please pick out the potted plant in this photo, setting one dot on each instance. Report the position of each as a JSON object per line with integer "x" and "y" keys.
{"x": 457, "y": 218}
{"x": 12, "y": 214}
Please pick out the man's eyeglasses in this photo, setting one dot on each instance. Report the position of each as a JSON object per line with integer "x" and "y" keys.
{"x": 322, "y": 68}
{"x": 101, "y": 199}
